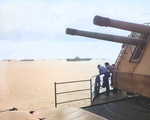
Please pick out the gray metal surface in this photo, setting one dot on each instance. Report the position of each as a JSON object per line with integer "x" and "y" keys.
{"x": 130, "y": 109}
{"x": 102, "y": 98}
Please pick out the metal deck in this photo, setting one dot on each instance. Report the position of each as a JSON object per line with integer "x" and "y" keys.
{"x": 119, "y": 95}
{"x": 119, "y": 107}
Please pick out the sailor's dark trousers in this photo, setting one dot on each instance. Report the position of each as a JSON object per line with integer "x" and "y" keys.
{"x": 106, "y": 82}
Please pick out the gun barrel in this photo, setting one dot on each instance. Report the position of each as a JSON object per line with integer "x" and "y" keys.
{"x": 107, "y": 37}
{"x": 103, "y": 21}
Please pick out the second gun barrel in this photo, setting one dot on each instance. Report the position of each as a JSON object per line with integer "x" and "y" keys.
{"x": 107, "y": 37}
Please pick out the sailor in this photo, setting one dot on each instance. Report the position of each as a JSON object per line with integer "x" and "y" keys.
{"x": 111, "y": 68}
{"x": 103, "y": 70}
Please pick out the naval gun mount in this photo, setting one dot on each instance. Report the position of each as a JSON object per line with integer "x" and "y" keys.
{"x": 133, "y": 74}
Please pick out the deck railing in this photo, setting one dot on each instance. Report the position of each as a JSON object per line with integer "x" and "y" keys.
{"x": 90, "y": 89}
{"x": 58, "y": 93}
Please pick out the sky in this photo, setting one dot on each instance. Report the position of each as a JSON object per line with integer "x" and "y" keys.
{"x": 35, "y": 29}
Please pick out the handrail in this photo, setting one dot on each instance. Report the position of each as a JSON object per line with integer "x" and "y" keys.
{"x": 72, "y": 81}
{"x": 58, "y": 93}
{"x": 120, "y": 56}
{"x": 100, "y": 91}
{"x": 91, "y": 89}
{"x": 73, "y": 91}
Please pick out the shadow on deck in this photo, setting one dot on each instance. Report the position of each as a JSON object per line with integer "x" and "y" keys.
{"x": 119, "y": 95}
{"x": 119, "y": 106}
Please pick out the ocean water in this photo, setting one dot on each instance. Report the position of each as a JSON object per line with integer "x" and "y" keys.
{"x": 29, "y": 85}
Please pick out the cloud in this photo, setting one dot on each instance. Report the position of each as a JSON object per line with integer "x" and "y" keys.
{"x": 35, "y": 20}
{"x": 38, "y": 20}
{"x": 36, "y": 29}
